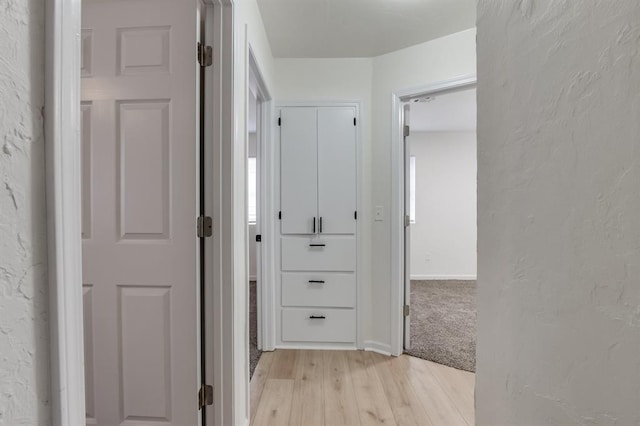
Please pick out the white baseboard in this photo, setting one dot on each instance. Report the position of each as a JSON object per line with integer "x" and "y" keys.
{"x": 381, "y": 348}
{"x": 444, "y": 277}
{"x": 255, "y": 278}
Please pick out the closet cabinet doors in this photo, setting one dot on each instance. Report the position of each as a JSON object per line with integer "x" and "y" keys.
{"x": 337, "y": 170}
{"x": 299, "y": 170}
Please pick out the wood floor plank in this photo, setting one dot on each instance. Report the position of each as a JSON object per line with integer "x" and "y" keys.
{"x": 274, "y": 408}
{"x": 341, "y": 406}
{"x": 438, "y": 405}
{"x": 258, "y": 381}
{"x": 307, "y": 407}
{"x": 284, "y": 364}
{"x": 459, "y": 386}
{"x": 334, "y": 388}
{"x": 407, "y": 408}
{"x": 373, "y": 405}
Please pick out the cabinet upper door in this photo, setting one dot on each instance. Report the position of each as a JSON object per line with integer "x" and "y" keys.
{"x": 337, "y": 170}
{"x": 299, "y": 170}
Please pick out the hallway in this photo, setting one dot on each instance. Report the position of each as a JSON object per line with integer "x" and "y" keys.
{"x": 304, "y": 387}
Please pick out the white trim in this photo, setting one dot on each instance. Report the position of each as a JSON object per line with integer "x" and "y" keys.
{"x": 357, "y": 104}
{"x": 444, "y": 277}
{"x": 266, "y": 227}
{"x": 381, "y": 348}
{"x": 398, "y": 98}
{"x": 219, "y": 251}
{"x": 63, "y": 164}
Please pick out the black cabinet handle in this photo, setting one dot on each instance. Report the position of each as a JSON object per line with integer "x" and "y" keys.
{"x": 317, "y": 317}
{"x": 317, "y": 245}
{"x": 314, "y": 225}
{"x": 321, "y": 224}
{"x": 316, "y": 281}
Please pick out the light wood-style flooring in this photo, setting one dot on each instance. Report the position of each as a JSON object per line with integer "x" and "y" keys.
{"x": 316, "y": 388}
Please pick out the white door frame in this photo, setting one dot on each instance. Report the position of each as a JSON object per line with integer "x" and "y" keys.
{"x": 266, "y": 214}
{"x": 63, "y": 171}
{"x": 398, "y": 98}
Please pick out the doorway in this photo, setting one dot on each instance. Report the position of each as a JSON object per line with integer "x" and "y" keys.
{"x": 441, "y": 231}
{"x": 258, "y": 131}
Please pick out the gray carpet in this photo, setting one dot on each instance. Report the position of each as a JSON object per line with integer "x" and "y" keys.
{"x": 443, "y": 322}
{"x": 254, "y": 352}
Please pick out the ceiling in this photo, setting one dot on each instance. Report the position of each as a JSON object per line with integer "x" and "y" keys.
{"x": 359, "y": 28}
{"x": 452, "y": 112}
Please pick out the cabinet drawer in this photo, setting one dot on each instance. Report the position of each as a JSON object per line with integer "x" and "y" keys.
{"x": 318, "y": 289}
{"x": 319, "y": 254}
{"x": 337, "y": 326}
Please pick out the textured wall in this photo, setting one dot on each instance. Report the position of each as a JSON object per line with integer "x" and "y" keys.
{"x": 559, "y": 212}
{"x": 24, "y": 358}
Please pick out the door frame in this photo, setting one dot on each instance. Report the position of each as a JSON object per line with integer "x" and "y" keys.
{"x": 64, "y": 212}
{"x": 398, "y": 99}
{"x": 264, "y": 223}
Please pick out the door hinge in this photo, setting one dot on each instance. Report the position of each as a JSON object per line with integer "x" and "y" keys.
{"x": 407, "y": 220}
{"x": 205, "y": 396}
{"x": 205, "y": 55}
{"x": 406, "y": 131}
{"x": 405, "y": 310}
{"x": 205, "y": 226}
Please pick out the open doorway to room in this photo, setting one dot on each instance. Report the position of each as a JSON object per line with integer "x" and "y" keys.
{"x": 441, "y": 232}
{"x": 258, "y": 128}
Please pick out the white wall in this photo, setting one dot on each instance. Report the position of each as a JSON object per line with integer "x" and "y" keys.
{"x": 443, "y": 237}
{"x": 427, "y": 63}
{"x": 559, "y": 222}
{"x": 24, "y": 337}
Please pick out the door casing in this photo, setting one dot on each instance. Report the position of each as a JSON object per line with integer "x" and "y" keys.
{"x": 398, "y": 252}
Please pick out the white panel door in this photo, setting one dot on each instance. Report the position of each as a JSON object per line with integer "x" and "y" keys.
{"x": 139, "y": 188}
{"x": 337, "y": 170}
{"x": 299, "y": 170}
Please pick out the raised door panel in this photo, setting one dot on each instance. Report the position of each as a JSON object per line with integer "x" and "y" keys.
{"x": 337, "y": 170}
{"x": 298, "y": 170}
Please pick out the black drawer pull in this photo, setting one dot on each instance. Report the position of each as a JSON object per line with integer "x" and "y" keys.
{"x": 317, "y": 317}
{"x": 317, "y": 245}
{"x": 316, "y": 281}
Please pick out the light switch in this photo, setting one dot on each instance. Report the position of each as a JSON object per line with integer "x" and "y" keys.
{"x": 379, "y": 213}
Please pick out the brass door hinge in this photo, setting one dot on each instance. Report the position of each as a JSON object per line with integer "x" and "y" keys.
{"x": 205, "y": 396}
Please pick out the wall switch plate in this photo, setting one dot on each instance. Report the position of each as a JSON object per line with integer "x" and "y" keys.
{"x": 379, "y": 215}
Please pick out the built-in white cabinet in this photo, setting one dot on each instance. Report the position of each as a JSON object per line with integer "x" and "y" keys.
{"x": 317, "y": 286}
